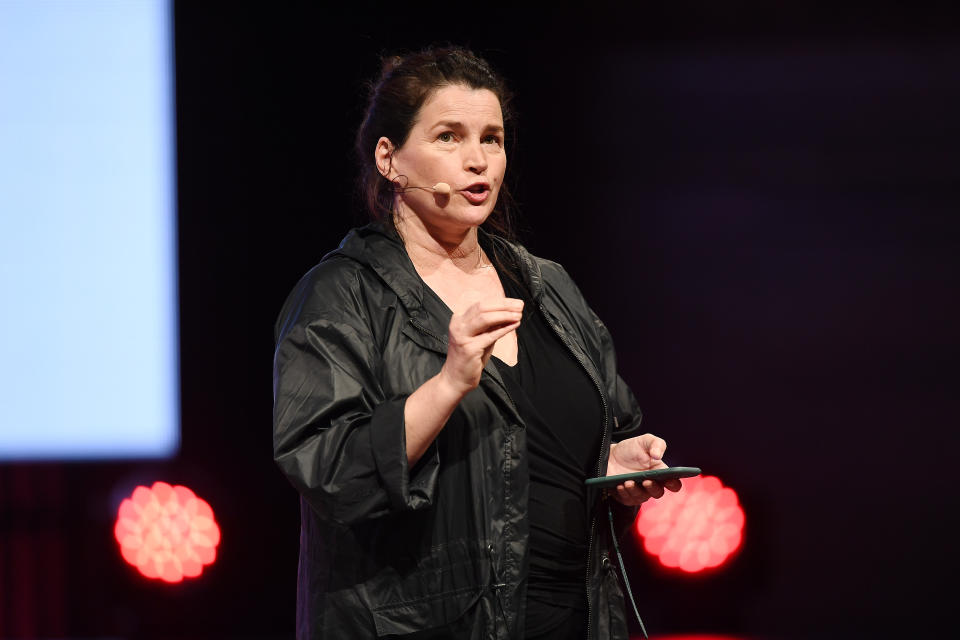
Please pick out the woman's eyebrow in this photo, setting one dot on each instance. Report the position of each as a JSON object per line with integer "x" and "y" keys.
{"x": 456, "y": 124}
{"x": 448, "y": 124}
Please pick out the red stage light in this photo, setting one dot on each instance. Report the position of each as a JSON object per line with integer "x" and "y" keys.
{"x": 695, "y": 528}
{"x": 696, "y": 636}
{"x": 167, "y": 532}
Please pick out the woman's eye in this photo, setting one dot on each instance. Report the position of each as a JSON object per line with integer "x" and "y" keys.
{"x": 492, "y": 139}
{"x": 446, "y": 136}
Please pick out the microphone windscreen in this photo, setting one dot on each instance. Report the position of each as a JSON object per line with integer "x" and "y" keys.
{"x": 442, "y": 188}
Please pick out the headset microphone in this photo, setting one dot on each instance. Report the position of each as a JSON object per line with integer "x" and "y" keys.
{"x": 441, "y": 188}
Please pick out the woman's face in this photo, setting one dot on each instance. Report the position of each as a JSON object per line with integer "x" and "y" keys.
{"x": 457, "y": 138}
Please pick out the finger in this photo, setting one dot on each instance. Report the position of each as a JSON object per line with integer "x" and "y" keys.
{"x": 655, "y": 446}
{"x": 493, "y": 304}
{"x": 673, "y": 485}
{"x": 463, "y": 331}
{"x": 654, "y": 488}
{"x": 658, "y": 464}
{"x": 631, "y": 497}
{"x": 487, "y": 339}
{"x": 501, "y": 304}
{"x": 635, "y": 491}
{"x": 489, "y": 321}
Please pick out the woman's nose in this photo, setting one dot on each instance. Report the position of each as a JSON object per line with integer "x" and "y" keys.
{"x": 474, "y": 158}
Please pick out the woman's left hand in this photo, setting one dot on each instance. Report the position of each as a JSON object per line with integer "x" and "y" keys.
{"x": 639, "y": 454}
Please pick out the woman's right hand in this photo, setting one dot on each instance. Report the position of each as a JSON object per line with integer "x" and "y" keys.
{"x": 472, "y": 334}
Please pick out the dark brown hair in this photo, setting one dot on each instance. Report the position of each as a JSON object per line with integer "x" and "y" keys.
{"x": 395, "y": 98}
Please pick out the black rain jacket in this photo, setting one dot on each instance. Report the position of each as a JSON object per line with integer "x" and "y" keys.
{"x": 386, "y": 549}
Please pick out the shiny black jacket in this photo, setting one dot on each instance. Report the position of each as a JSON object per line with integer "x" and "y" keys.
{"x": 386, "y": 549}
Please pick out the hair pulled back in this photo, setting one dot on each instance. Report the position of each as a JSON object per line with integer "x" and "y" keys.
{"x": 395, "y": 99}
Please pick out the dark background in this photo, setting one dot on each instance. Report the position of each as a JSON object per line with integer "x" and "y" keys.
{"x": 760, "y": 201}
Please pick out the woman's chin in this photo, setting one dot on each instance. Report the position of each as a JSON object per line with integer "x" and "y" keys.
{"x": 450, "y": 220}
{"x": 473, "y": 215}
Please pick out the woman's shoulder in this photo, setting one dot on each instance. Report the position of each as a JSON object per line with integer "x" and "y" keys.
{"x": 335, "y": 287}
{"x": 553, "y": 272}
{"x": 336, "y": 274}
{"x": 319, "y": 292}
{"x": 542, "y": 273}
{"x": 536, "y": 266}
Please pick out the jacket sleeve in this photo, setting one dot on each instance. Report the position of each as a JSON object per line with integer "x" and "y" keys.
{"x": 624, "y": 409}
{"x": 337, "y": 437}
{"x": 626, "y": 412}
{"x": 627, "y": 416}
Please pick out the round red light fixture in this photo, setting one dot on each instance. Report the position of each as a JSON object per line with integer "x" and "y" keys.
{"x": 167, "y": 532}
{"x": 697, "y": 528}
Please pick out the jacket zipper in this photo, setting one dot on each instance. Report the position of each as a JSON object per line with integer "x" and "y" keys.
{"x": 603, "y": 444}
{"x": 498, "y": 582}
{"x": 426, "y": 331}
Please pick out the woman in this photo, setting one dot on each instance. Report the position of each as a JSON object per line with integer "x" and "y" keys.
{"x": 441, "y": 395}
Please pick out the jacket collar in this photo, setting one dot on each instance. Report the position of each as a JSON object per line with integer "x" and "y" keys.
{"x": 379, "y": 247}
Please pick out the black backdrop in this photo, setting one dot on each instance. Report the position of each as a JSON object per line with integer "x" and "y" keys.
{"x": 761, "y": 204}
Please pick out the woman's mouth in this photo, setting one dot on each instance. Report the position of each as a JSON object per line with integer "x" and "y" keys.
{"x": 476, "y": 193}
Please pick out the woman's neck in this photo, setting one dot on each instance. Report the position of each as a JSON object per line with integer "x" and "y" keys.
{"x": 431, "y": 249}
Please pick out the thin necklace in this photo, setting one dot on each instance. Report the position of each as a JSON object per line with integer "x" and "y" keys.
{"x": 480, "y": 264}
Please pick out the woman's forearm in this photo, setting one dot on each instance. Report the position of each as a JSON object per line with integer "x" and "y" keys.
{"x": 426, "y": 412}
{"x": 472, "y": 335}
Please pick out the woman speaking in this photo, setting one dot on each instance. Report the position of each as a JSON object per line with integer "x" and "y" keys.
{"x": 440, "y": 395}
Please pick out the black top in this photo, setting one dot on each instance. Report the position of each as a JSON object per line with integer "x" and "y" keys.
{"x": 561, "y": 408}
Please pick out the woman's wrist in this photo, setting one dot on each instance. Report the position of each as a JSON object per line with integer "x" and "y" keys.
{"x": 450, "y": 388}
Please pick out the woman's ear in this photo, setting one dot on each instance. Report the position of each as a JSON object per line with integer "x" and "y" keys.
{"x": 383, "y": 156}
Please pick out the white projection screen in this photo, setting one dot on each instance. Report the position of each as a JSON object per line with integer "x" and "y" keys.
{"x": 88, "y": 255}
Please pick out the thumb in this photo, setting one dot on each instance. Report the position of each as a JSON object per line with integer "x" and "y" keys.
{"x": 655, "y": 447}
